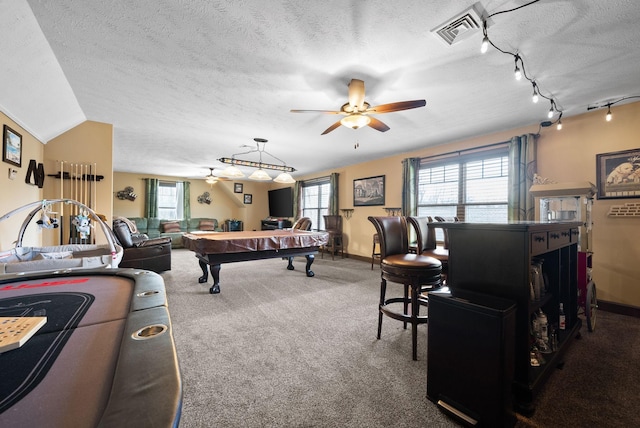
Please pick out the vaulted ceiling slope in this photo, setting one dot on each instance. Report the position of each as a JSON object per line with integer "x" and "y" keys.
{"x": 188, "y": 82}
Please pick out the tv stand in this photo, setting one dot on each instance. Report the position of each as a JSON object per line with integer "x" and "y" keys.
{"x": 275, "y": 224}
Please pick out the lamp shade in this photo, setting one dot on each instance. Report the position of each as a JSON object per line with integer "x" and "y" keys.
{"x": 284, "y": 177}
{"x": 232, "y": 171}
{"x": 355, "y": 120}
{"x": 260, "y": 175}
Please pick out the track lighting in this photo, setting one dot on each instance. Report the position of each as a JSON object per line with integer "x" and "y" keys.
{"x": 559, "y": 125}
{"x": 517, "y": 71}
{"x": 608, "y": 105}
{"x": 485, "y": 40}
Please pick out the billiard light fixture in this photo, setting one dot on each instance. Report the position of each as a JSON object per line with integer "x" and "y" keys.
{"x": 259, "y": 174}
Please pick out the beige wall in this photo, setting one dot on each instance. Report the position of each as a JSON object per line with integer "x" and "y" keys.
{"x": 225, "y": 203}
{"x": 88, "y": 143}
{"x": 16, "y": 192}
{"x": 567, "y": 155}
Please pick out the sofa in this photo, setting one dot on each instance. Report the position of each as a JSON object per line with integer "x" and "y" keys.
{"x": 140, "y": 251}
{"x": 155, "y": 227}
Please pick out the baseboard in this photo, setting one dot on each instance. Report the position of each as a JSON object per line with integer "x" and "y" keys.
{"x": 619, "y": 308}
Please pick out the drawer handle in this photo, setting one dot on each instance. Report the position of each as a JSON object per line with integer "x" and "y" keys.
{"x": 566, "y": 233}
{"x": 554, "y": 236}
{"x": 539, "y": 238}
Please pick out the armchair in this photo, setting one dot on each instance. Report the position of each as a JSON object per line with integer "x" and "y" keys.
{"x": 140, "y": 251}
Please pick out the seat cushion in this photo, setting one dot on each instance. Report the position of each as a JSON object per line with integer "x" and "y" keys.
{"x": 411, "y": 261}
{"x": 171, "y": 227}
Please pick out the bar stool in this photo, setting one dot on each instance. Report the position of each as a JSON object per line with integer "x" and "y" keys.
{"x": 427, "y": 245}
{"x": 414, "y": 271}
{"x": 375, "y": 254}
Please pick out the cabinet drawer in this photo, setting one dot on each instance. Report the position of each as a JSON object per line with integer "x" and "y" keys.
{"x": 539, "y": 243}
{"x": 575, "y": 235}
{"x": 559, "y": 238}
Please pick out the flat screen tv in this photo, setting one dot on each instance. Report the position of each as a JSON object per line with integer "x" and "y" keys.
{"x": 281, "y": 202}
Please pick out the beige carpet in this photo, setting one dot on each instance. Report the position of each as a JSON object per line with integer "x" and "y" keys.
{"x": 278, "y": 349}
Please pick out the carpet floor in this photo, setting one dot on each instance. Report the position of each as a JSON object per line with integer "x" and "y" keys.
{"x": 278, "y": 349}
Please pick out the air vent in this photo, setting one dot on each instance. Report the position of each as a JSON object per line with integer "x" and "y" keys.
{"x": 460, "y": 26}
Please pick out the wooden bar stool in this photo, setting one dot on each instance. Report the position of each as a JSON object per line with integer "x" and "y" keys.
{"x": 376, "y": 246}
{"x": 427, "y": 245}
{"x": 414, "y": 271}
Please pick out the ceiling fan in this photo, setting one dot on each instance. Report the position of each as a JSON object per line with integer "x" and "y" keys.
{"x": 357, "y": 111}
{"x": 212, "y": 178}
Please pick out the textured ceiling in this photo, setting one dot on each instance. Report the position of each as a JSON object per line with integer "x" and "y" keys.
{"x": 187, "y": 82}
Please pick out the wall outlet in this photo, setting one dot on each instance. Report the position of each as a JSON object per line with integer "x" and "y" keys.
{"x": 12, "y": 173}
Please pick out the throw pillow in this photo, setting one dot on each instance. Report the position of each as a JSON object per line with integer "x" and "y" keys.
{"x": 171, "y": 227}
{"x": 207, "y": 225}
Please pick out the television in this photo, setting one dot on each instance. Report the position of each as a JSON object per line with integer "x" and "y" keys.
{"x": 281, "y": 203}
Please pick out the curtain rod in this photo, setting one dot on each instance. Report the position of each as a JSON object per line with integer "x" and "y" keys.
{"x": 460, "y": 152}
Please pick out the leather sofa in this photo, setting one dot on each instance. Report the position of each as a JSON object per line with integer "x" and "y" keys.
{"x": 140, "y": 251}
{"x": 155, "y": 227}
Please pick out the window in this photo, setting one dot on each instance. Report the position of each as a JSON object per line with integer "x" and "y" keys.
{"x": 315, "y": 201}
{"x": 473, "y": 188}
{"x": 170, "y": 197}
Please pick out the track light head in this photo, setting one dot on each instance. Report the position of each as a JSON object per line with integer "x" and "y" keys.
{"x": 609, "y": 116}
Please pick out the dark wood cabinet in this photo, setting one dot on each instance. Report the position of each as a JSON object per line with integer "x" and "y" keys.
{"x": 496, "y": 259}
{"x": 275, "y": 224}
{"x": 233, "y": 226}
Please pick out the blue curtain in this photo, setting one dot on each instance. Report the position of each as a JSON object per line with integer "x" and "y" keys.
{"x": 297, "y": 194}
{"x": 186, "y": 199}
{"x": 151, "y": 197}
{"x": 333, "y": 194}
{"x": 410, "y": 168}
{"x": 522, "y": 167}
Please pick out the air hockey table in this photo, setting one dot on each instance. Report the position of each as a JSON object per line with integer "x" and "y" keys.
{"x": 103, "y": 357}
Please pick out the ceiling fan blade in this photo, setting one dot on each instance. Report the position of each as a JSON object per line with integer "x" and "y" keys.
{"x": 331, "y": 128}
{"x": 317, "y": 111}
{"x": 402, "y": 105}
{"x": 378, "y": 125}
{"x": 356, "y": 93}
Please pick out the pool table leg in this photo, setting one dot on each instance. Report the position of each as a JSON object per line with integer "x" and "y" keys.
{"x": 310, "y": 259}
{"x": 215, "y": 273}
{"x": 205, "y": 274}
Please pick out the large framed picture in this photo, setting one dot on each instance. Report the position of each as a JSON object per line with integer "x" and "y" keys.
{"x": 11, "y": 147}
{"x": 368, "y": 191}
{"x": 618, "y": 174}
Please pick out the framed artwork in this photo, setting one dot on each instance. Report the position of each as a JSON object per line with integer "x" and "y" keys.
{"x": 238, "y": 187}
{"x": 618, "y": 174}
{"x": 368, "y": 191}
{"x": 11, "y": 147}
{"x": 248, "y": 198}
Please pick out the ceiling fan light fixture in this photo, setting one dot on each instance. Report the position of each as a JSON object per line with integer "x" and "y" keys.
{"x": 260, "y": 175}
{"x": 285, "y": 178}
{"x": 355, "y": 121}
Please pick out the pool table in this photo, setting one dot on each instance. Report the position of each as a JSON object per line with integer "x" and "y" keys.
{"x": 215, "y": 248}
{"x": 104, "y": 357}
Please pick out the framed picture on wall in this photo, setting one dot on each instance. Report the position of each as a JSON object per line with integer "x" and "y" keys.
{"x": 11, "y": 147}
{"x": 248, "y": 198}
{"x": 238, "y": 187}
{"x": 368, "y": 191}
{"x": 618, "y": 174}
